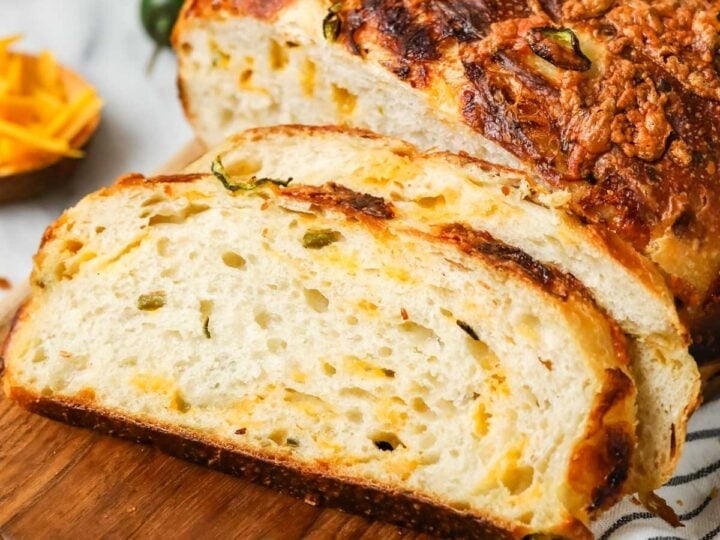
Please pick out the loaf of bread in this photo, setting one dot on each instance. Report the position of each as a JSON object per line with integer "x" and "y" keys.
{"x": 613, "y": 106}
{"x": 430, "y": 189}
{"x": 268, "y": 317}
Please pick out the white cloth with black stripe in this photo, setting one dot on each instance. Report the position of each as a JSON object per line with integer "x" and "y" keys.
{"x": 694, "y": 491}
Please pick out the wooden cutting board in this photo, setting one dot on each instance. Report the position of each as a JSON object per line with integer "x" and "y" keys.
{"x": 58, "y": 481}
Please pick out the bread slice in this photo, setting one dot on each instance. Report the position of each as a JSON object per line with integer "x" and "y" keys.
{"x": 462, "y": 76}
{"x": 428, "y": 189}
{"x": 315, "y": 331}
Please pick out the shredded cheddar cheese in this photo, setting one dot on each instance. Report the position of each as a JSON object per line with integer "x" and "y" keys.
{"x": 40, "y": 116}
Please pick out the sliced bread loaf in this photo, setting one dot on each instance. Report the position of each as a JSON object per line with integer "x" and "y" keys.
{"x": 430, "y": 189}
{"x": 311, "y": 338}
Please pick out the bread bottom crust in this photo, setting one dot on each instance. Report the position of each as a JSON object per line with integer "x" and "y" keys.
{"x": 314, "y": 486}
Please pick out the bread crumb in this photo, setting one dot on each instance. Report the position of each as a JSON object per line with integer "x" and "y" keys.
{"x": 5, "y": 284}
{"x": 312, "y": 499}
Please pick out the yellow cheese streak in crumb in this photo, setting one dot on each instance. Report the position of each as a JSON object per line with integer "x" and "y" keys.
{"x": 40, "y": 117}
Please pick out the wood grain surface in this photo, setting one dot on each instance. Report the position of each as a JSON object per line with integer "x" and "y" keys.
{"x": 59, "y": 482}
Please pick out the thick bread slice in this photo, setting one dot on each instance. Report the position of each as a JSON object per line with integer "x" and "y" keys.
{"x": 312, "y": 328}
{"x": 630, "y": 143}
{"x": 428, "y": 189}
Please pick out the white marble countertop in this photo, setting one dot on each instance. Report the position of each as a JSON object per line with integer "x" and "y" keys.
{"x": 142, "y": 122}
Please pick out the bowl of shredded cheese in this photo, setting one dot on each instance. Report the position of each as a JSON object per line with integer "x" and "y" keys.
{"x": 48, "y": 114}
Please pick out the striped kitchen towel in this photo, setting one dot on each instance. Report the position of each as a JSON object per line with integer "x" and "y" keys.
{"x": 694, "y": 491}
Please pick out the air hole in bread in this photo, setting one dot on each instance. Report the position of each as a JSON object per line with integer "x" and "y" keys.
{"x": 528, "y": 326}
{"x": 278, "y": 56}
{"x": 431, "y": 202}
{"x": 365, "y": 369}
{"x": 245, "y": 78}
{"x": 179, "y": 403}
{"x": 418, "y": 333}
{"x": 178, "y": 216}
{"x": 429, "y": 459}
{"x": 355, "y": 416}
{"x": 345, "y": 101}
{"x": 276, "y": 345}
{"x": 264, "y": 318}
{"x": 307, "y": 77}
{"x": 328, "y": 369}
{"x": 152, "y": 201}
{"x": 481, "y": 353}
{"x": 278, "y": 436}
{"x": 233, "y": 260}
{"x": 386, "y": 441}
{"x": 247, "y": 166}
{"x": 482, "y": 420}
{"x": 220, "y": 58}
{"x": 517, "y": 478}
{"x": 357, "y": 392}
{"x": 163, "y": 247}
{"x": 308, "y": 404}
{"x": 99, "y": 230}
{"x": 385, "y": 352}
{"x": 352, "y": 320}
{"x": 419, "y": 405}
{"x": 73, "y": 246}
{"x": 447, "y": 407}
{"x": 39, "y": 356}
{"x": 527, "y": 517}
{"x": 316, "y": 300}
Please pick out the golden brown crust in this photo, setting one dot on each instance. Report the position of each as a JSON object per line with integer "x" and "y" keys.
{"x": 52, "y": 230}
{"x": 314, "y": 486}
{"x": 601, "y": 462}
